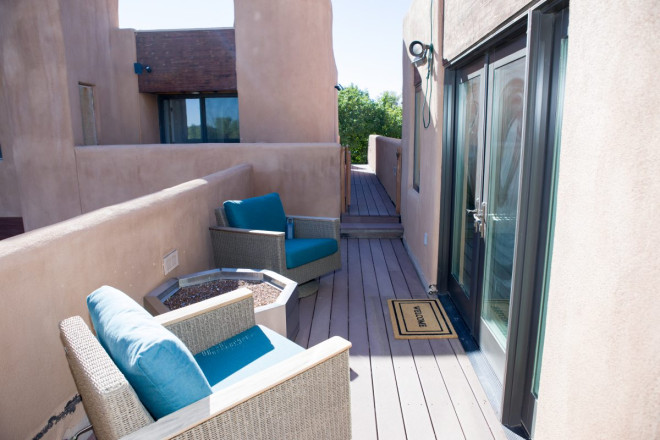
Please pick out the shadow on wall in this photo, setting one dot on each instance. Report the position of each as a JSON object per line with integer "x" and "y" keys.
{"x": 47, "y": 274}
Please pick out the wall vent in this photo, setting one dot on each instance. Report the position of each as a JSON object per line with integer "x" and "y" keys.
{"x": 170, "y": 261}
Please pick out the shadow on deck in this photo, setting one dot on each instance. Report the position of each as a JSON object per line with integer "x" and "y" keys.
{"x": 400, "y": 389}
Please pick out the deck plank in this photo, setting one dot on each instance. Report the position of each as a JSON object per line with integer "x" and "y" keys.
{"x": 381, "y": 202}
{"x": 321, "y": 322}
{"x": 411, "y": 396}
{"x": 477, "y": 390}
{"x": 389, "y": 203}
{"x": 469, "y": 413}
{"x": 371, "y": 181}
{"x": 339, "y": 313}
{"x": 399, "y": 389}
{"x": 409, "y": 272}
{"x": 306, "y": 312}
{"x": 440, "y": 407}
{"x": 386, "y": 396}
{"x": 362, "y": 396}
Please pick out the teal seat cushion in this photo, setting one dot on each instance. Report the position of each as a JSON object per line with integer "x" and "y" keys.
{"x": 155, "y": 362}
{"x": 243, "y": 355}
{"x": 264, "y": 213}
{"x": 301, "y": 251}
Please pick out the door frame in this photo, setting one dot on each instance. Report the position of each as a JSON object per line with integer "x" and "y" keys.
{"x": 471, "y": 305}
{"x": 523, "y": 332}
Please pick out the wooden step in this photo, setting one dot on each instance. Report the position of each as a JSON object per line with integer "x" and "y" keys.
{"x": 347, "y": 218}
{"x": 371, "y": 230}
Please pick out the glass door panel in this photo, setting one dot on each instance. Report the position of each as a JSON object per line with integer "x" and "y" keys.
{"x": 502, "y": 169}
{"x": 468, "y": 146}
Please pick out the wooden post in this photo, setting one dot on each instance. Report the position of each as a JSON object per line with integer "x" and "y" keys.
{"x": 348, "y": 177}
{"x": 342, "y": 178}
{"x": 398, "y": 181}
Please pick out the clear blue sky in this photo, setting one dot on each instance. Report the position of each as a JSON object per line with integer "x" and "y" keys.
{"x": 367, "y": 33}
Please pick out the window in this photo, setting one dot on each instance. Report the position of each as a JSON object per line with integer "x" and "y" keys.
{"x": 419, "y": 108}
{"x": 86, "y": 93}
{"x": 196, "y": 119}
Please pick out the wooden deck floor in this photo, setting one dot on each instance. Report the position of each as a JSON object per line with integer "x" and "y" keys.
{"x": 400, "y": 389}
{"x": 368, "y": 196}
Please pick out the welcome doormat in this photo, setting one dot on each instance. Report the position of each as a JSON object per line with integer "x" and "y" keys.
{"x": 420, "y": 319}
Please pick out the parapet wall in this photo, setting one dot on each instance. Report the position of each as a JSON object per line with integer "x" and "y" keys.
{"x": 305, "y": 175}
{"x": 47, "y": 273}
{"x": 382, "y": 158}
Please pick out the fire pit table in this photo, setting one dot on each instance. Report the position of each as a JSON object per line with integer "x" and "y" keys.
{"x": 277, "y": 294}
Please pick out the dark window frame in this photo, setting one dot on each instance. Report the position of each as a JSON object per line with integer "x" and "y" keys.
{"x": 201, "y": 97}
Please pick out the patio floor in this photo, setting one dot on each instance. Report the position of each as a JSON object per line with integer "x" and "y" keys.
{"x": 400, "y": 389}
{"x": 368, "y": 196}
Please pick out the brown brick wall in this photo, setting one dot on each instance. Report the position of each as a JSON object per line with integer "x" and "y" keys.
{"x": 187, "y": 61}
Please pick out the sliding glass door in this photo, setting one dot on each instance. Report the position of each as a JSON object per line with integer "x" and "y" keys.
{"x": 503, "y": 128}
{"x": 468, "y": 160}
{"x": 500, "y": 205}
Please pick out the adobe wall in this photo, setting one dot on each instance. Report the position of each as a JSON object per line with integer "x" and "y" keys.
{"x": 46, "y": 275}
{"x": 37, "y": 134}
{"x": 420, "y": 211}
{"x": 601, "y": 334}
{"x": 382, "y": 159}
{"x": 305, "y": 175}
{"x": 470, "y": 21}
{"x": 100, "y": 54}
{"x": 600, "y": 377}
{"x": 286, "y": 71}
{"x": 46, "y": 51}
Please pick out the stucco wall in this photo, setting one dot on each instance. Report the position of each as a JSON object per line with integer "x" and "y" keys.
{"x": 36, "y": 101}
{"x": 470, "y": 21}
{"x": 46, "y": 50}
{"x": 305, "y": 175}
{"x": 46, "y": 275}
{"x": 286, "y": 71}
{"x": 100, "y": 54}
{"x": 600, "y": 364}
{"x": 383, "y": 160}
{"x": 420, "y": 211}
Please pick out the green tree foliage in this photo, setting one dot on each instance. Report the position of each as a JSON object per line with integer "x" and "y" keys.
{"x": 361, "y": 116}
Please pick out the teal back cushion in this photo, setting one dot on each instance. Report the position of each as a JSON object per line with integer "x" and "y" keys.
{"x": 155, "y": 362}
{"x": 264, "y": 213}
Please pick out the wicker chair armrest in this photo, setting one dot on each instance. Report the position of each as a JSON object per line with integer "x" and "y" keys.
{"x": 246, "y": 231}
{"x": 209, "y": 322}
{"x": 110, "y": 401}
{"x": 316, "y": 227}
{"x": 306, "y": 396}
{"x": 249, "y": 249}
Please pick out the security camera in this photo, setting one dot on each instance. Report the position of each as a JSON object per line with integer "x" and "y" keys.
{"x": 418, "y": 50}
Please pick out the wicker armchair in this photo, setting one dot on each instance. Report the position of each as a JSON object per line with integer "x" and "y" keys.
{"x": 243, "y": 248}
{"x": 303, "y": 397}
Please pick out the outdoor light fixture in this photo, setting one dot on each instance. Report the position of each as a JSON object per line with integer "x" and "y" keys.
{"x": 418, "y": 50}
{"x": 339, "y": 87}
{"x": 138, "y": 67}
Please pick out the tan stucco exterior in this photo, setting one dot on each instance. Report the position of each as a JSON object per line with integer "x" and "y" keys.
{"x": 286, "y": 71}
{"x": 420, "y": 210}
{"x": 382, "y": 159}
{"x": 602, "y": 347}
{"x": 598, "y": 378}
{"x": 305, "y": 175}
{"x": 47, "y": 50}
{"x": 47, "y": 273}
{"x": 468, "y": 22}
{"x": 285, "y": 86}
